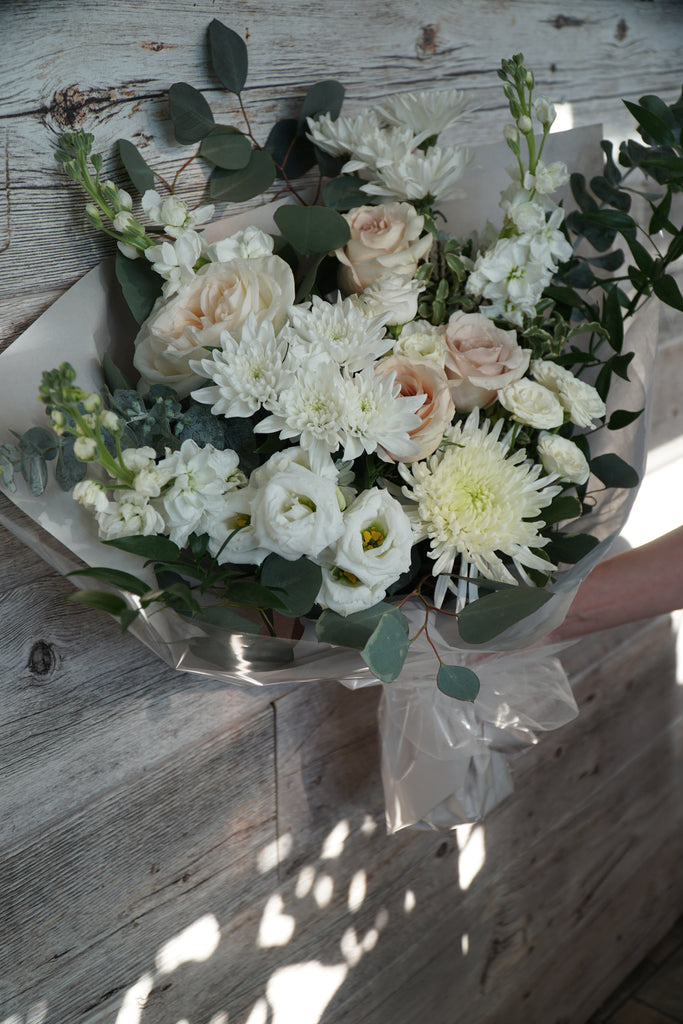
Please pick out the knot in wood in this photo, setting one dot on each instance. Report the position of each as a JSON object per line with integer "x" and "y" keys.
{"x": 42, "y": 658}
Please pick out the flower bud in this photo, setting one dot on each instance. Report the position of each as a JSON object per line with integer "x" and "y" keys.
{"x": 85, "y": 449}
{"x": 110, "y": 421}
{"x": 90, "y": 421}
{"x": 110, "y": 192}
{"x": 128, "y": 250}
{"x": 57, "y": 417}
{"x": 545, "y": 111}
{"x": 92, "y": 402}
{"x": 123, "y": 221}
{"x": 124, "y": 200}
{"x": 93, "y": 215}
{"x": 524, "y": 124}
{"x": 511, "y": 136}
{"x": 530, "y": 79}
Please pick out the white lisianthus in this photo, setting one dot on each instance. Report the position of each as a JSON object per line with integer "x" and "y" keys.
{"x": 532, "y": 404}
{"x": 427, "y": 112}
{"x": 393, "y": 297}
{"x": 247, "y": 374}
{"x": 175, "y": 261}
{"x": 421, "y": 340}
{"x": 231, "y": 532}
{"x": 373, "y": 551}
{"x": 478, "y": 499}
{"x": 562, "y": 457}
{"x": 323, "y": 466}
{"x": 296, "y": 513}
{"x": 131, "y": 515}
{"x": 201, "y": 477}
{"x": 91, "y": 494}
{"x": 417, "y": 175}
{"x": 219, "y": 297}
{"x": 580, "y": 400}
{"x": 338, "y": 331}
{"x": 247, "y": 245}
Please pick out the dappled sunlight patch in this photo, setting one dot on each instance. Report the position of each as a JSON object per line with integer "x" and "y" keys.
{"x": 357, "y": 890}
{"x": 564, "y": 121}
{"x": 464, "y": 943}
{"x": 319, "y": 981}
{"x": 333, "y": 846}
{"x": 274, "y": 853}
{"x": 35, "y": 1014}
{"x": 323, "y": 890}
{"x": 409, "y": 901}
{"x": 196, "y": 943}
{"x": 470, "y": 839}
{"x": 276, "y": 928}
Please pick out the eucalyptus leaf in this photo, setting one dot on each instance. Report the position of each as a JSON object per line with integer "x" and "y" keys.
{"x": 245, "y": 183}
{"x": 228, "y": 619}
{"x": 69, "y": 470}
{"x": 562, "y": 508}
{"x": 386, "y": 650}
{"x": 198, "y": 424}
{"x": 613, "y": 471}
{"x": 298, "y": 582}
{"x": 39, "y": 441}
{"x": 226, "y": 147}
{"x": 140, "y": 285}
{"x": 253, "y": 595}
{"x": 229, "y": 56}
{"x": 571, "y": 547}
{"x": 292, "y": 153}
{"x": 312, "y": 229}
{"x": 482, "y": 620}
{"x": 34, "y": 471}
{"x": 458, "y": 681}
{"x": 190, "y": 113}
{"x": 350, "y": 630}
{"x": 113, "y": 378}
{"x": 326, "y": 97}
{"x": 137, "y": 168}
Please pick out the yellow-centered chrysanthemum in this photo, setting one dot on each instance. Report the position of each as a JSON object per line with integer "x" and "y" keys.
{"x": 477, "y": 499}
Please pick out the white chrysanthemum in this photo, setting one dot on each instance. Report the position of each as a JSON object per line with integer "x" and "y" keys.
{"x": 416, "y": 175}
{"x": 426, "y": 113}
{"x": 338, "y": 331}
{"x": 247, "y": 373}
{"x": 342, "y": 135}
{"x": 131, "y": 515}
{"x": 380, "y": 149}
{"x": 379, "y": 417}
{"x": 477, "y": 499}
{"x": 245, "y": 245}
{"x": 311, "y": 407}
{"x": 202, "y": 476}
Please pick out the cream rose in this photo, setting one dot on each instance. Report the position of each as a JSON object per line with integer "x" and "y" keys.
{"x": 219, "y": 297}
{"x": 532, "y": 404}
{"x": 422, "y": 377}
{"x": 384, "y": 240}
{"x": 580, "y": 400}
{"x": 561, "y": 456}
{"x": 480, "y": 360}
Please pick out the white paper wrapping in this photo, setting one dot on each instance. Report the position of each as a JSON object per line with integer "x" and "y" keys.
{"x": 444, "y": 763}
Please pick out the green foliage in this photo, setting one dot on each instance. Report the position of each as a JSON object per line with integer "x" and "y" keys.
{"x": 137, "y": 168}
{"x": 227, "y": 148}
{"x": 247, "y": 182}
{"x": 386, "y": 649}
{"x": 458, "y": 682}
{"x": 297, "y": 582}
{"x": 114, "y": 578}
{"x": 140, "y": 285}
{"x": 486, "y": 618}
{"x": 190, "y": 113}
{"x": 312, "y": 229}
{"x": 153, "y": 549}
{"x": 229, "y": 57}
{"x": 292, "y": 153}
{"x": 570, "y": 547}
{"x": 326, "y": 97}
{"x": 614, "y": 472}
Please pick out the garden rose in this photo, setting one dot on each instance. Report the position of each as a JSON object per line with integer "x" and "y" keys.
{"x": 423, "y": 377}
{"x": 480, "y": 360}
{"x": 532, "y": 404}
{"x": 580, "y": 400}
{"x": 385, "y": 240}
{"x": 561, "y": 456}
{"x": 219, "y": 297}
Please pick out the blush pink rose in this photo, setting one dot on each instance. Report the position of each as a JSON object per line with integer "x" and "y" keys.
{"x": 385, "y": 240}
{"x": 422, "y": 377}
{"x": 480, "y": 360}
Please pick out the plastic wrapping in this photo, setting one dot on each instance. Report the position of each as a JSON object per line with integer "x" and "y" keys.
{"x": 444, "y": 763}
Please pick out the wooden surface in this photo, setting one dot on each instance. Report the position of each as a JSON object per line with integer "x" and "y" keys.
{"x": 172, "y": 850}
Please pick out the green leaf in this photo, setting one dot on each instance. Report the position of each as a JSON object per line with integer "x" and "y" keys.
{"x": 386, "y": 650}
{"x": 115, "y": 578}
{"x": 570, "y": 547}
{"x": 600, "y": 238}
{"x": 611, "y": 219}
{"x": 666, "y": 289}
{"x": 612, "y": 172}
{"x": 312, "y": 229}
{"x": 612, "y": 320}
{"x": 226, "y": 147}
{"x": 229, "y": 56}
{"x": 609, "y": 194}
{"x": 621, "y": 418}
{"x": 156, "y": 549}
{"x": 228, "y": 619}
{"x": 69, "y": 470}
{"x": 324, "y": 97}
{"x": 252, "y": 180}
{"x": 458, "y": 682}
{"x": 190, "y": 113}
{"x": 137, "y": 168}
{"x": 651, "y": 125}
{"x": 581, "y": 194}
{"x": 613, "y": 471}
{"x": 200, "y": 425}
{"x": 297, "y": 581}
{"x": 350, "y": 630}
{"x": 660, "y": 214}
{"x": 113, "y": 377}
{"x": 486, "y": 618}
{"x": 642, "y": 257}
{"x": 39, "y": 441}
{"x": 561, "y": 509}
{"x": 34, "y": 471}
{"x": 101, "y": 600}
{"x": 293, "y": 154}
{"x": 305, "y": 286}
{"x": 140, "y": 285}
{"x": 253, "y": 595}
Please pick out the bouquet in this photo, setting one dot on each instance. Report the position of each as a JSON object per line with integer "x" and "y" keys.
{"x": 352, "y": 427}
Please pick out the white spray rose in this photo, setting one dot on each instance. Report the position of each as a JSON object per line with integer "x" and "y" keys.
{"x": 422, "y": 340}
{"x": 532, "y": 404}
{"x": 561, "y": 456}
{"x": 580, "y": 400}
{"x": 394, "y": 296}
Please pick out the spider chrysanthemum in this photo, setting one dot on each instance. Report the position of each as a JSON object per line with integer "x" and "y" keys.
{"x": 481, "y": 501}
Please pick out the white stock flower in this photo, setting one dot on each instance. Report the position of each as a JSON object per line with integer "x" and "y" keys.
{"x": 417, "y": 175}
{"x": 544, "y": 110}
{"x": 175, "y": 261}
{"x": 247, "y": 374}
{"x": 546, "y": 178}
{"x": 393, "y": 297}
{"x": 220, "y": 296}
{"x": 201, "y": 477}
{"x": 580, "y": 400}
{"x": 479, "y": 500}
{"x": 337, "y": 330}
{"x": 130, "y": 515}
{"x": 123, "y": 220}
{"x": 427, "y": 112}
{"x": 91, "y": 494}
{"x": 549, "y": 245}
{"x": 247, "y": 245}
{"x": 85, "y": 449}
{"x": 421, "y": 340}
{"x": 562, "y": 457}
{"x": 379, "y": 418}
{"x": 138, "y": 459}
{"x": 172, "y": 212}
{"x": 532, "y": 404}
{"x": 296, "y": 513}
{"x": 508, "y": 279}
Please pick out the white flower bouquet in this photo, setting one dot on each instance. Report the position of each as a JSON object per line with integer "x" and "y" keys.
{"x": 356, "y": 439}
